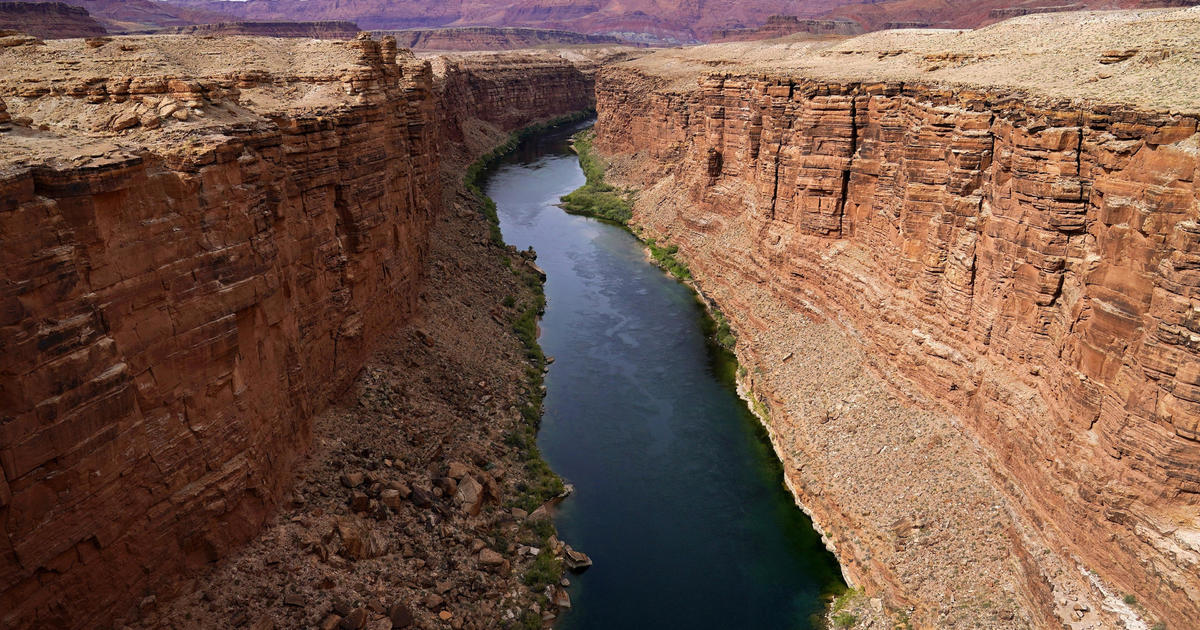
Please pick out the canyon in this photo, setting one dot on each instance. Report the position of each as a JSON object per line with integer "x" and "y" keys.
{"x": 263, "y": 358}
{"x": 962, "y": 271}
{"x": 198, "y": 258}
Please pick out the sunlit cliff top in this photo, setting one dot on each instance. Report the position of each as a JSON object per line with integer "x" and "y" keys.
{"x": 1149, "y": 58}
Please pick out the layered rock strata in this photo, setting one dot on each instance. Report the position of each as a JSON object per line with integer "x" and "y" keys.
{"x": 196, "y": 259}
{"x": 493, "y": 38}
{"x": 49, "y": 19}
{"x": 784, "y": 25}
{"x": 481, "y": 93}
{"x": 318, "y": 30}
{"x": 1026, "y": 263}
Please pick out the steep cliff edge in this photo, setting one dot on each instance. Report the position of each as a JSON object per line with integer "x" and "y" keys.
{"x": 196, "y": 258}
{"x": 180, "y": 301}
{"x": 963, "y": 272}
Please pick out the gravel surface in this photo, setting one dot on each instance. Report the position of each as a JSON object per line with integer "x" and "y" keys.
{"x": 1071, "y": 55}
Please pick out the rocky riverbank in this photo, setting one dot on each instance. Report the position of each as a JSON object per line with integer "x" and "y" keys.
{"x": 404, "y": 516}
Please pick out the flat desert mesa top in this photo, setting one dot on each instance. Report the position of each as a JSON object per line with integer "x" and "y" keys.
{"x": 1147, "y": 58}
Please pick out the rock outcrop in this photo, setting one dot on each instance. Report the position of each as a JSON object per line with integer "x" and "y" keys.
{"x": 49, "y": 20}
{"x": 1027, "y": 263}
{"x": 196, "y": 258}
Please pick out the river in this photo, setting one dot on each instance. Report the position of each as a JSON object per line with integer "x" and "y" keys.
{"x": 679, "y": 499}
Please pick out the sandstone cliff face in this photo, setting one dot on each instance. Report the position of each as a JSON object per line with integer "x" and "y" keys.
{"x": 480, "y": 94}
{"x": 1030, "y": 263}
{"x": 183, "y": 293}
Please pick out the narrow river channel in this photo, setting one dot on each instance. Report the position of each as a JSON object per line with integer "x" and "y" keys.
{"x": 678, "y": 497}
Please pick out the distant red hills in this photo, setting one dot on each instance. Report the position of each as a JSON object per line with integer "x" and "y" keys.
{"x": 646, "y": 21}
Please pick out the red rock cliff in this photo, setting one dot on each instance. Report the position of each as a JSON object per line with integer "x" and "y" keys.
{"x": 188, "y": 284}
{"x": 1029, "y": 262}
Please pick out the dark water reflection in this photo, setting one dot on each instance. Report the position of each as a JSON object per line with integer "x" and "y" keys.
{"x": 679, "y": 499}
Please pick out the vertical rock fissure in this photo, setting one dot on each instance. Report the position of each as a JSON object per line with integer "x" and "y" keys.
{"x": 775, "y": 188}
{"x": 845, "y": 188}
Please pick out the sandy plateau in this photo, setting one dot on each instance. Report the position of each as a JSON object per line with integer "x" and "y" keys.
{"x": 962, "y": 270}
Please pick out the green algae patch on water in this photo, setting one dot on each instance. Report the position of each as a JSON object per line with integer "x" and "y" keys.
{"x": 596, "y": 198}
{"x": 600, "y": 200}
{"x": 678, "y": 499}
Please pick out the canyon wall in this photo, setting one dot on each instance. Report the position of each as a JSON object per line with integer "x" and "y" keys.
{"x": 1031, "y": 263}
{"x": 480, "y": 95}
{"x": 189, "y": 282}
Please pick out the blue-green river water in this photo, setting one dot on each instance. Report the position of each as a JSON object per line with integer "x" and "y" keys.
{"x": 678, "y": 497}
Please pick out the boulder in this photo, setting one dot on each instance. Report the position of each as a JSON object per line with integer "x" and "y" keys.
{"x": 576, "y": 561}
{"x": 126, "y": 120}
{"x": 490, "y": 557}
{"x": 469, "y": 495}
{"x": 359, "y": 540}
{"x": 400, "y": 615}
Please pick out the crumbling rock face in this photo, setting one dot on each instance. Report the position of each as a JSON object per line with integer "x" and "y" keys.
{"x": 182, "y": 293}
{"x": 1030, "y": 263}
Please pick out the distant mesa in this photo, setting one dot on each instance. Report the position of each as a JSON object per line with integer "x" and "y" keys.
{"x": 495, "y": 38}
{"x": 440, "y": 25}
{"x": 131, "y": 16}
{"x": 893, "y": 14}
{"x": 332, "y": 29}
{"x": 49, "y": 20}
{"x": 784, "y": 25}
{"x": 644, "y": 21}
